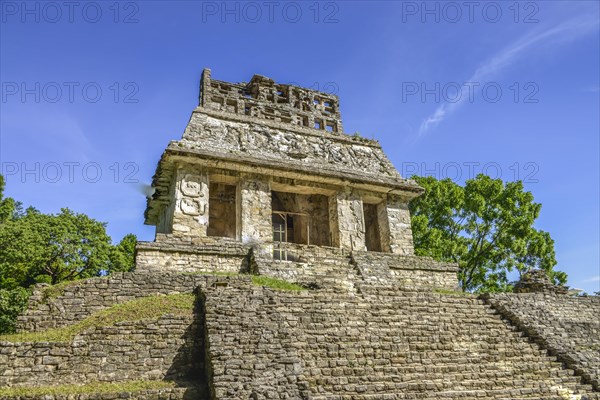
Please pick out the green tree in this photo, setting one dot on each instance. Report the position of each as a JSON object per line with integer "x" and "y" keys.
{"x": 36, "y": 247}
{"x": 122, "y": 256}
{"x": 12, "y": 303}
{"x": 486, "y": 227}
{"x": 51, "y": 248}
{"x": 7, "y": 205}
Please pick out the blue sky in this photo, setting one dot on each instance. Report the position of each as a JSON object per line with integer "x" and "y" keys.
{"x": 450, "y": 89}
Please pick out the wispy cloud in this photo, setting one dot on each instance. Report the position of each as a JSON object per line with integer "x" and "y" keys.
{"x": 566, "y": 31}
{"x": 592, "y": 89}
{"x": 591, "y": 279}
{"x": 53, "y": 132}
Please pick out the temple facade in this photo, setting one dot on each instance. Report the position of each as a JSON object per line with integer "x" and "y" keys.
{"x": 268, "y": 166}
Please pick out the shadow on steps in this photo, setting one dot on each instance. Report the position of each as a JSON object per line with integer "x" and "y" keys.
{"x": 189, "y": 368}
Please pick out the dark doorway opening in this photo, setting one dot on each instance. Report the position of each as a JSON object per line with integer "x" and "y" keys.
{"x": 222, "y": 210}
{"x": 372, "y": 231}
{"x": 299, "y": 218}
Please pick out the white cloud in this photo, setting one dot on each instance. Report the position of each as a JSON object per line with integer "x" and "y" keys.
{"x": 591, "y": 279}
{"x": 568, "y": 30}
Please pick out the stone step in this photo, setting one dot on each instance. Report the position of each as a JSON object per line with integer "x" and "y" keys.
{"x": 499, "y": 367}
{"x": 432, "y": 390}
{"x": 183, "y": 391}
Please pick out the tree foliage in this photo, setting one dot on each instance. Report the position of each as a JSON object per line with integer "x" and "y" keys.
{"x": 122, "y": 256}
{"x": 7, "y": 205}
{"x": 51, "y": 248}
{"x": 486, "y": 227}
{"x": 12, "y": 303}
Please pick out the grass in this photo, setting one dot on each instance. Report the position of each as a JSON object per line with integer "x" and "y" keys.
{"x": 144, "y": 308}
{"x": 217, "y": 273}
{"x": 95, "y": 387}
{"x": 54, "y": 291}
{"x": 273, "y": 283}
{"x": 258, "y": 280}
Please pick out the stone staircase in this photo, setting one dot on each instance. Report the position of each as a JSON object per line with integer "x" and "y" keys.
{"x": 373, "y": 267}
{"x": 388, "y": 344}
{"x": 312, "y": 266}
{"x": 569, "y": 327}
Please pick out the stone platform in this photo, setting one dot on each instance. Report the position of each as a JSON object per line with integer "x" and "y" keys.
{"x": 246, "y": 341}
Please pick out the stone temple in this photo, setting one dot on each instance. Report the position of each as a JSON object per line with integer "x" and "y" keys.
{"x": 267, "y": 166}
{"x": 283, "y": 268}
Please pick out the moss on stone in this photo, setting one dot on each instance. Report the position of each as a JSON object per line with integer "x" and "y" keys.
{"x": 273, "y": 283}
{"x": 216, "y": 273}
{"x": 53, "y": 291}
{"x": 92, "y": 387}
{"x": 150, "y": 307}
{"x": 258, "y": 280}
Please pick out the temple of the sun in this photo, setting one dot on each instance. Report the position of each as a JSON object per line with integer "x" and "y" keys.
{"x": 268, "y": 166}
{"x": 283, "y": 268}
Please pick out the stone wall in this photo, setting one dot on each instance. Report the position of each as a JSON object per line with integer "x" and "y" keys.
{"x": 250, "y": 351}
{"x": 309, "y": 265}
{"x": 312, "y": 266}
{"x": 166, "y": 348}
{"x": 82, "y": 298}
{"x": 376, "y": 342}
{"x": 173, "y": 256}
{"x": 569, "y": 327}
{"x": 411, "y": 271}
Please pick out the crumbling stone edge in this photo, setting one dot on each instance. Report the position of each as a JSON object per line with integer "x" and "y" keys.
{"x": 538, "y": 338}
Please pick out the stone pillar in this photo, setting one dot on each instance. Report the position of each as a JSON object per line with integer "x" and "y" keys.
{"x": 347, "y": 224}
{"x": 190, "y": 213}
{"x": 396, "y": 230}
{"x": 255, "y": 213}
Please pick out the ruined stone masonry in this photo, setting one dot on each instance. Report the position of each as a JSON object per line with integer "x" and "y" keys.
{"x": 265, "y": 183}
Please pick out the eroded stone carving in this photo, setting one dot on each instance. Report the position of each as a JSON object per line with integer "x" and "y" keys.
{"x": 192, "y": 207}
{"x": 192, "y": 186}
